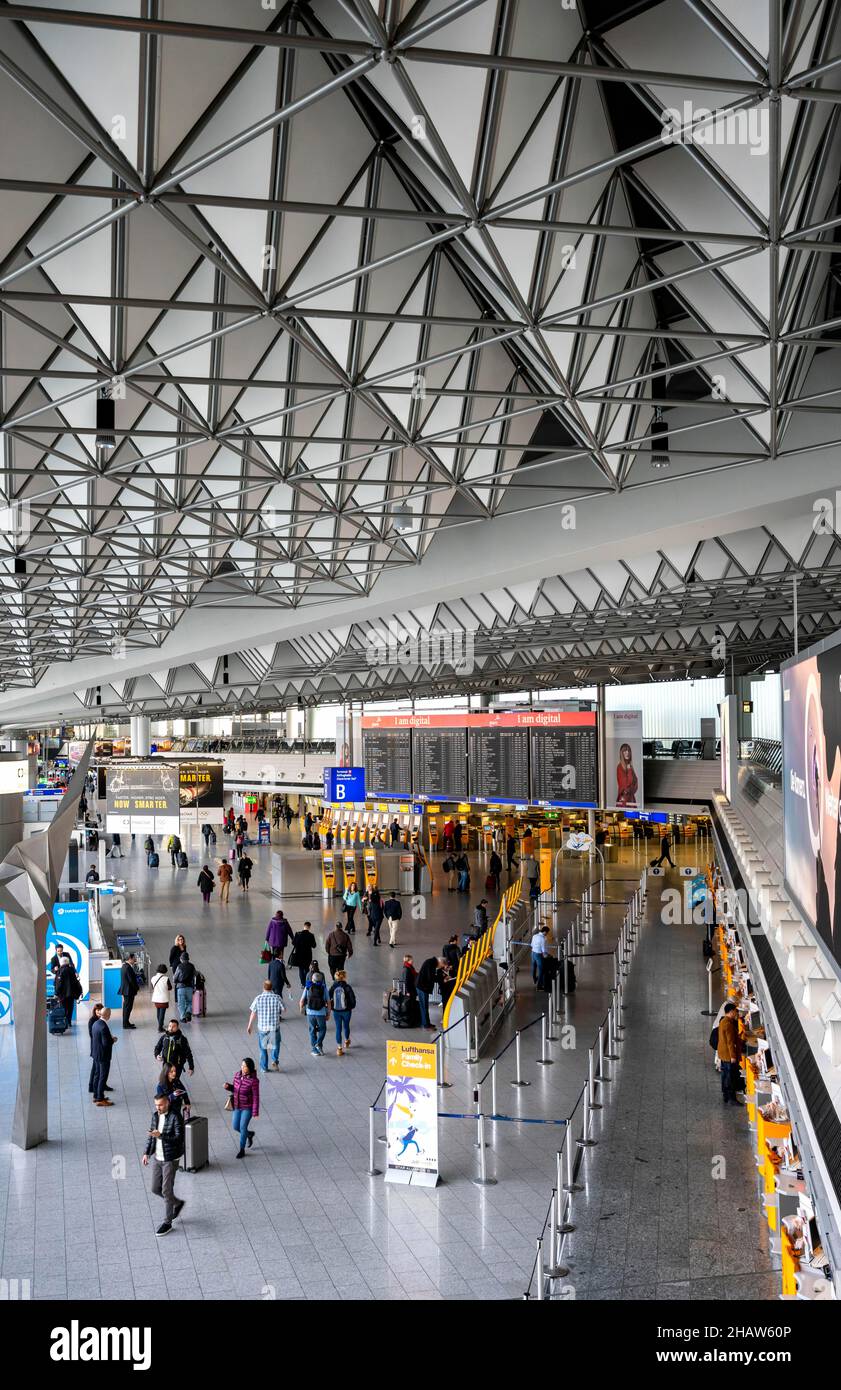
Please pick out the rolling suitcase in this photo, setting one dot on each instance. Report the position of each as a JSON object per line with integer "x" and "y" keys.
{"x": 182, "y": 859}
{"x": 199, "y": 1005}
{"x": 56, "y": 1016}
{"x": 153, "y": 861}
{"x": 195, "y": 1144}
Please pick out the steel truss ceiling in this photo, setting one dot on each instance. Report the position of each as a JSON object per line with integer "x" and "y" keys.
{"x": 377, "y": 270}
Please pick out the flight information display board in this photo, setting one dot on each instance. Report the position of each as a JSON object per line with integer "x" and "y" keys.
{"x": 387, "y": 755}
{"x": 499, "y": 764}
{"x": 564, "y": 760}
{"x": 439, "y": 762}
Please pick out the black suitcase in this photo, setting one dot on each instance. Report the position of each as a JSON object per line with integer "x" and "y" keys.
{"x": 92, "y": 840}
{"x": 195, "y": 1144}
{"x": 182, "y": 859}
{"x": 56, "y": 1016}
{"x": 153, "y": 861}
{"x": 403, "y": 1011}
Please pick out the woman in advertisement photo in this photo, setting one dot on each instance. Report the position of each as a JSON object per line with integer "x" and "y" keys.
{"x": 627, "y": 781}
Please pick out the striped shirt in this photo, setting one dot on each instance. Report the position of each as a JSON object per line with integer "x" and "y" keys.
{"x": 268, "y": 1007}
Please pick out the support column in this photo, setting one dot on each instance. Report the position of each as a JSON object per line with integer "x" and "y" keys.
{"x": 25, "y": 940}
{"x": 141, "y": 727}
{"x": 601, "y": 723}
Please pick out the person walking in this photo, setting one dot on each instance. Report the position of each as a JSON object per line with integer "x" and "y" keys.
{"x": 665, "y": 851}
{"x": 395, "y": 831}
{"x": 458, "y": 832}
{"x": 315, "y": 1001}
{"x": 129, "y": 988}
{"x": 430, "y": 974}
{"x": 392, "y": 911}
{"x": 538, "y": 956}
{"x": 148, "y": 847}
{"x": 176, "y": 951}
{"x": 245, "y": 1094}
{"x": 161, "y": 990}
{"x": 169, "y": 1085}
{"x": 343, "y": 1003}
{"x": 225, "y": 874}
{"x": 267, "y": 1009}
{"x": 351, "y": 901}
{"x": 166, "y": 1148}
{"x": 303, "y": 946}
{"x": 278, "y": 933}
{"x": 729, "y": 1051}
{"x": 452, "y": 954}
{"x": 102, "y": 1046}
{"x": 205, "y": 882}
{"x": 375, "y": 914}
{"x": 244, "y": 867}
{"x": 173, "y": 845}
{"x": 480, "y": 917}
{"x": 68, "y": 987}
{"x": 339, "y": 947}
{"x": 173, "y": 1049}
{"x": 277, "y": 976}
{"x": 184, "y": 980}
{"x": 206, "y": 831}
{"x": 495, "y": 870}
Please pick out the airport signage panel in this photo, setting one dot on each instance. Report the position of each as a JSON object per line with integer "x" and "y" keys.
{"x": 14, "y": 775}
{"x": 201, "y": 792}
{"x": 344, "y": 784}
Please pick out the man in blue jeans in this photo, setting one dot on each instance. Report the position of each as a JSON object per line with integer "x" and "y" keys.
{"x": 538, "y": 956}
{"x": 266, "y": 1009}
{"x": 430, "y": 974}
{"x": 316, "y": 1002}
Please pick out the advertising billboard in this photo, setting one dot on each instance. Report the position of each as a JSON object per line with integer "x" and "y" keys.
{"x": 142, "y": 799}
{"x": 411, "y": 1113}
{"x": 200, "y": 792}
{"x": 811, "y": 720}
{"x": 623, "y": 752}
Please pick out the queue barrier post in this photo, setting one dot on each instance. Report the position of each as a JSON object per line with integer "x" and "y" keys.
{"x": 494, "y": 1106}
{"x": 552, "y": 1019}
{"x": 565, "y": 1226}
{"x": 617, "y": 1022}
{"x": 518, "y": 1079}
{"x": 616, "y": 968}
{"x": 440, "y": 1078}
{"x": 541, "y": 1294}
{"x": 585, "y": 1142}
{"x": 570, "y": 1185}
{"x": 591, "y": 1079}
{"x": 482, "y": 1179}
{"x": 544, "y": 1060}
{"x": 556, "y": 1270}
{"x": 373, "y": 1170}
{"x": 602, "y": 1077}
{"x": 610, "y": 1055}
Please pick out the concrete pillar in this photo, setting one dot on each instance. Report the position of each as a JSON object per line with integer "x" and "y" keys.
{"x": 11, "y": 821}
{"x": 141, "y": 735}
{"x": 601, "y": 726}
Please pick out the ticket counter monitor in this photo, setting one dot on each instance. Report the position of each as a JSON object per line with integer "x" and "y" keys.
{"x": 369, "y": 865}
{"x": 405, "y": 830}
{"x": 364, "y": 820}
{"x": 328, "y": 873}
{"x": 415, "y": 831}
{"x": 434, "y": 831}
{"x": 354, "y": 826}
{"x": 349, "y": 868}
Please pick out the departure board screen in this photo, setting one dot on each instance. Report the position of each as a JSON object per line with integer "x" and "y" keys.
{"x": 499, "y": 765}
{"x": 564, "y": 762}
{"x": 387, "y": 754}
{"x": 440, "y": 763}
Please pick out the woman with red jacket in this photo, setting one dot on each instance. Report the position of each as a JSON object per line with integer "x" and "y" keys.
{"x": 627, "y": 781}
{"x": 245, "y": 1093}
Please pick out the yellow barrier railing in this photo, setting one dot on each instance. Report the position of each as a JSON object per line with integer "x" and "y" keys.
{"x": 479, "y": 950}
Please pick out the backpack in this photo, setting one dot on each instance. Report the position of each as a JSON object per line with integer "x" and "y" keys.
{"x": 714, "y": 1039}
{"x": 447, "y": 866}
{"x": 315, "y": 996}
{"x": 343, "y": 997}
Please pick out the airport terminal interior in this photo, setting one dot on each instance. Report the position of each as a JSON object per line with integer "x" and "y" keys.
{"x": 420, "y": 654}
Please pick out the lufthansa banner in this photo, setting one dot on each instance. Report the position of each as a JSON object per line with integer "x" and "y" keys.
{"x": 411, "y": 1113}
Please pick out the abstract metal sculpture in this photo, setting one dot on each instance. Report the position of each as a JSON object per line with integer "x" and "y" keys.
{"x": 29, "y": 880}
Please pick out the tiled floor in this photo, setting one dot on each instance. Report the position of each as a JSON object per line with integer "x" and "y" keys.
{"x": 301, "y": 1218}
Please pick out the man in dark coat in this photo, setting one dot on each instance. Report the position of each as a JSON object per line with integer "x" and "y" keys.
{"x": 276, "y": 973}
{"x": 67, "y": 987}
{"x": 96, "y": 1012}
{"x": 128, "y": 988}
{"x": 102, "y": 1045}
{"x": 430, "y": 974}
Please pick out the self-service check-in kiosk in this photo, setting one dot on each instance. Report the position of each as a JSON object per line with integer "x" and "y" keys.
{"x": 349, "y": 868}
{"x": 406, "y": 874}
{"x": 434, "y": 831}
{"x": 369, "y": 864}
{"x": 354, "y": 826}
{"x": 328, "y": 873}
{"x": 364, "y": 820}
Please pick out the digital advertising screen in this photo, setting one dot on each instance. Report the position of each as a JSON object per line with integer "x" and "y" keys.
{"x": 811, "y": 719}
{"x": 201, "y": 792}
{"x": 387, "y": 759}
{"x": 623, "y": 754}
{"x": 564, "y": 759}
{"x": 142, "y": 799}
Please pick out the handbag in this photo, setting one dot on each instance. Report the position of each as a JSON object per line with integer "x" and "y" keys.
{"x": 265, "y": 954}
{"x": 293, "y": 958}
{"x": 229, "y": 1103}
